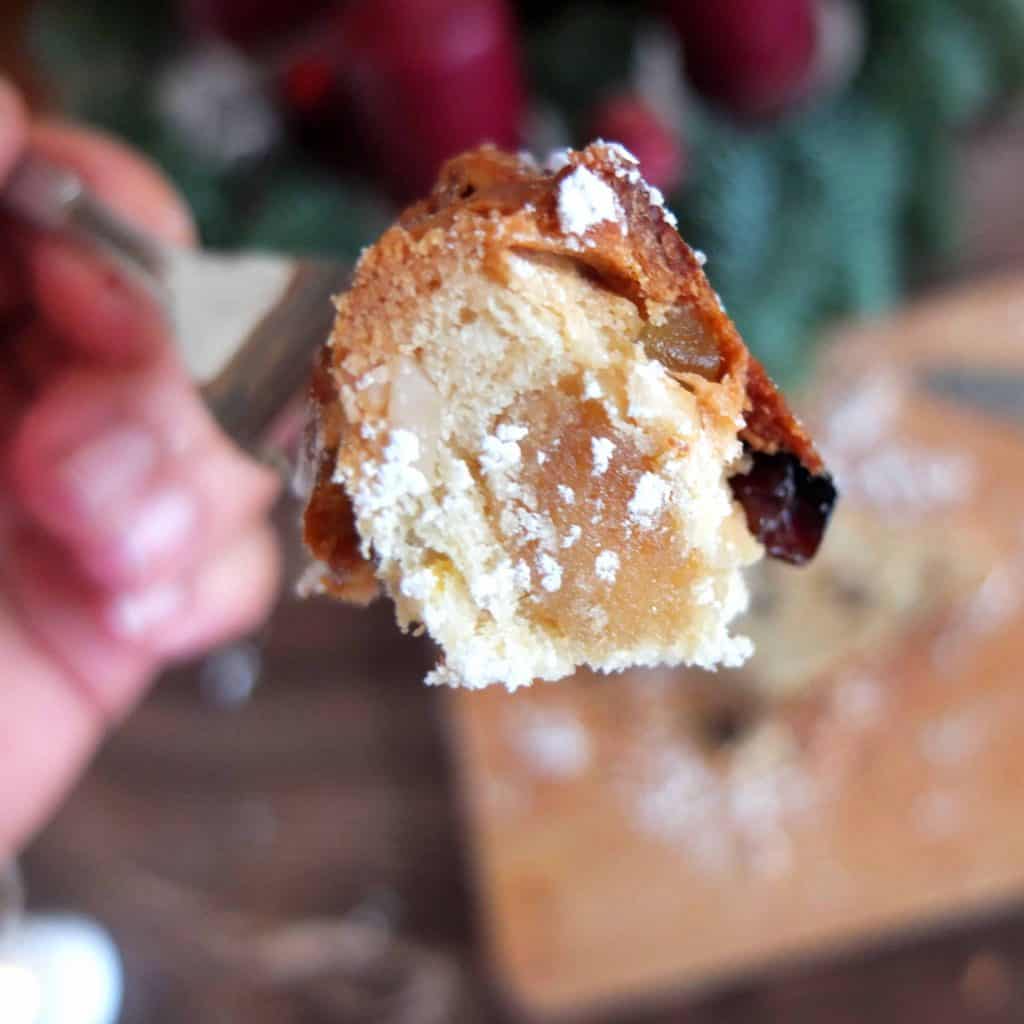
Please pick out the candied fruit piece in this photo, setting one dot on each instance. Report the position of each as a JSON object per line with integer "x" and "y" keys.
{"x": 787, "y": 507}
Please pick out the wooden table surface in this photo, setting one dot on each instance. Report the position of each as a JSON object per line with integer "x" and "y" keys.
{"x": 299, "y": 855}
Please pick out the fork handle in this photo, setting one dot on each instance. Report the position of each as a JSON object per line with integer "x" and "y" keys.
{"x": 53, "y": 198}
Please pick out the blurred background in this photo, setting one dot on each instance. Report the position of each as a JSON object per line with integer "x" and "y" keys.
{"x": 830, "y": 834}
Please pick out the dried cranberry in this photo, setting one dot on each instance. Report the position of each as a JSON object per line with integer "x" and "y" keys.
{"x": 787, "y": 507}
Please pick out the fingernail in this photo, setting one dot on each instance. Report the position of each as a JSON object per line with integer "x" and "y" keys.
{"x": 112, "y": 468}
{"x": 132, "y": 615}
{"x": 160, "y": 525}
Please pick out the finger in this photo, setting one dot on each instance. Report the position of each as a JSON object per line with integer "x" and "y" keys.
{"x": 62, "y": 612}
{"x": 13, "y": 288}
{"x": 12, "y": 127}
{"x": 94, "y": 305}
{"x": 229, "y": 595}
{"x": 33, "y": 352}
{"x": 125, "y": 181}
{"x": 131, "y": 473}
{"x": 47, "y": 731}
{"x": 12, "y": 138}
{"x": 13, "y": 402}
{"x": 194, "y": 504}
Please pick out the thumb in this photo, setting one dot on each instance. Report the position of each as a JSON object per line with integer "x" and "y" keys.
{"x": 12, "y": 127}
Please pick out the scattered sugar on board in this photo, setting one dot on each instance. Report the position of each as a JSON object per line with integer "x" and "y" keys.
{"x": 911, "y": 478}
{"x": 991, "y": 606}
{"x": 553, "y": 742}
{"x": 727, "y": 819}
{"x": 574, "y": 533}
{"x": 584, "y": 200}
{"x": 901, "y": 476}
{"x": 601, "y": 449}
{"x": 567, "y": 494}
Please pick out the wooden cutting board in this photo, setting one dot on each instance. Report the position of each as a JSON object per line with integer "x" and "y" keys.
{"x": 641, "y": 834}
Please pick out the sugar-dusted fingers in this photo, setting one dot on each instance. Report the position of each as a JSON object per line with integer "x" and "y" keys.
{"x": 64, "y": 616}
{"x": 129, "y": 472}
{"x": 228, "y": 594}
{"x": 48, "y": 729}
{"x": 95, "y": 308}
{"x": 76, "y": 659}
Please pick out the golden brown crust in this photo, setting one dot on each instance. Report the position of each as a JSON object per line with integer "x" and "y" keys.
{"x": 650, "y": 263}
{"x": 493, "y": 203}
{"x": 329, "y": 528}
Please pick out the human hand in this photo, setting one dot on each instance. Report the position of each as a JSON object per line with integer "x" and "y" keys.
{"x": 132, "y": 532}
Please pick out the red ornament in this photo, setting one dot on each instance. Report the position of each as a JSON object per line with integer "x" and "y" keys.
{"x": 755, "y": 57}
{"x": 428, "y": 79}
{"x": 250, "y": 24}
{"x": 626, "y": 118}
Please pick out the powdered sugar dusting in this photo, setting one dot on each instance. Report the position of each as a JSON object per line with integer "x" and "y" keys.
{"x": 601, "y": 449}
{"x": 648, "y": 499}
{"x": 498, "y": 456}
{"x": 551, "y": 573}
{"x": 385, "y": 488}
{"x": 553, "y": 742}
{"x": 510, "y": 432}
{"x": 556, "y": 160}
{"x": 737, "y": 817}
{"x": 584, "y": 201}
{"x": 606, "y": 565}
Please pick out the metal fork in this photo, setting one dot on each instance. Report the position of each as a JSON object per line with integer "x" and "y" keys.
{"x": 246, "y": 324}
